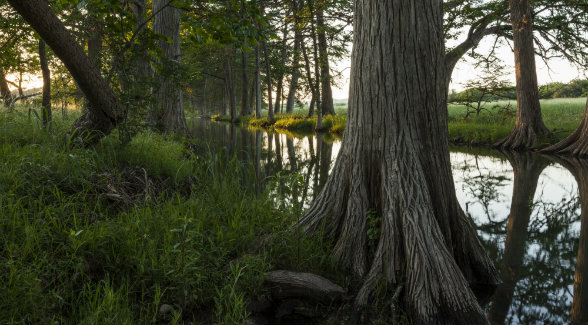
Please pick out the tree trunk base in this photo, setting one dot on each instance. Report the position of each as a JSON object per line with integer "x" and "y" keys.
{"x": 524, "y": 136}
{"x": 574, "y": 145}
{"x": 399, "y": 240}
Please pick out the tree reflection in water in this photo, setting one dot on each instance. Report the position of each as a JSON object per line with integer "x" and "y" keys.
{"x": 526, "y": 208}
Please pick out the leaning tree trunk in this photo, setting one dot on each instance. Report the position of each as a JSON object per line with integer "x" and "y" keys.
{"x": 526, "y": 168}
{"x": 170, "y": 113}
{"x": 5, "y": 93}
{"x": 326, "y": 90}
{"x": 46, "y": 101}
{"x": 577, "y": 143}
{"x": 529, "y": 126}
{"x": 394, "y": 168}
{"x": 105, "y": 111}
{"x": 579, "y": 168}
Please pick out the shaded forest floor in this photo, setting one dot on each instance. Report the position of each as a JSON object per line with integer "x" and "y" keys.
{"x": 136, "y": 233}
{"x": 493, "y": 123}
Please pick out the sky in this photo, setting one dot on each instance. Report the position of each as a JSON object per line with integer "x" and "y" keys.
{"x": 558, "y": 70}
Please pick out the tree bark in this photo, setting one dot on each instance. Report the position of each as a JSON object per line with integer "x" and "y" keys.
{"x": 257, "y": 84}
{"x": 4, "y": 89}
{"x": 245, "y": 108}
{"x": 230, "y": 85}
{"x": 577, "y": 143}
{"x": 280, "y": 77}
{"x": 529, "y": 126}
{"x": 393, "y": 169}
{"x": 326, "y": 90}
{"x": 170, "y": 113}
{"x": 317, "y": 68}
{"x": 527, "y": 169}
{"x": 295, "y": 72}
{"x": 268, "y": 79}
{"x": 46, "y": 101}
{"x": 105, "y": 111}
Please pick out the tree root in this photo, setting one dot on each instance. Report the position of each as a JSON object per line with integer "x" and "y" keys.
{"x": 523, "y": 136}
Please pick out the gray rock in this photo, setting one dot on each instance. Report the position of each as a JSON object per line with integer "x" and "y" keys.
{"x": 165, "y": 309}
{"x": 287, "y": 284}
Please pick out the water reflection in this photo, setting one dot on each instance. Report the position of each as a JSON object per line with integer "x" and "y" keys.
{"x": 526, "y": 209}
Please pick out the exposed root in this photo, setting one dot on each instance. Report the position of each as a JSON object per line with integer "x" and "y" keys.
{"x": 523, "y": 136}
{"x": 411, "y": 248}
{"x": 574, "y": 145}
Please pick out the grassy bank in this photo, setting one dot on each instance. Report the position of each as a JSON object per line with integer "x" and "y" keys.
{"x": 109, "y": 235}
{"x": 561, "y": 116}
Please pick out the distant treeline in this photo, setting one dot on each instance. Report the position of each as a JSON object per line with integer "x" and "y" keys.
{"x": 574, "y": 89}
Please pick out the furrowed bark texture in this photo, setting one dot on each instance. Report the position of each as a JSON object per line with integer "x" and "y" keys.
{"x": 105, "y": 111}
{"x": 170, "y": 113}
{"x": 46, "y": 101}
{"x": 394, "y": 166}
{"x": 577, "y": 143}
{"x": 529, "y": 124}
{"x": 527, "y": 169}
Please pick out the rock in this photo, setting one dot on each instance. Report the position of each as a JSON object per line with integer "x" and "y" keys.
{"x": 256, "y": 320}
{"x": 165, "y": 309}
{"x": 287, "y": 284}
{"x": 296, "y": 307}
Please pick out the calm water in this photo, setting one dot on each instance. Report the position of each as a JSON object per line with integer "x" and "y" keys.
{"x": 530, "y": 224}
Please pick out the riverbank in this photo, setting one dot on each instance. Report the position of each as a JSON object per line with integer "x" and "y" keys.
{"x": 493, "y": 123}
{"x": 137, "y": 232}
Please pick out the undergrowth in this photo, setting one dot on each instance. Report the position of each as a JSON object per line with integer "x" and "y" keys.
{"x": 109, "y": 235}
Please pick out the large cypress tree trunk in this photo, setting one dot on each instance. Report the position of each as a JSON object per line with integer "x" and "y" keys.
{"x": 326, "y": 90}
{"x": 526, "y": 168}
{"x": 393, "y": 167}
{"x": 105, "y": 111}
{"x": 529, "y": 126}
{"x": 170, "y": 113}
{"x": 46, "y": 101}
{"x": 577, "y": 143}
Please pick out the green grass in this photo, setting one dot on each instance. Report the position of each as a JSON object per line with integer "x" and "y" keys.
{"x": 560, "y": 115}
{"x": 107, "y": 235}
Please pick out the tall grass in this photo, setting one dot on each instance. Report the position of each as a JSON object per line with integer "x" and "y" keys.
{"x": 108, "y": 235}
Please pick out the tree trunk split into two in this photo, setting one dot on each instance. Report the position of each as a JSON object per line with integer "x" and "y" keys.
{"x": 394, "y": 169}
{"x": 105, "y": 111}
{"x": 529, "y": 126}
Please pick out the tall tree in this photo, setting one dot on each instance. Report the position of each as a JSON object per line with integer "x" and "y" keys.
{"x": 170, "y": 111}
{"x": 230, "y": 84}
{"x": 393, "y": 168}
{"x": 105, "y": 111}
{"x": 295, "y": 59}
{"x": 326, "y": 90}
{"x": 577, "y": 143}
{"x": 257, "y": 83}
{"x": 529, "y": 126}
{"x": 46, "y": 101}
{"x": 280, "y": 74}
